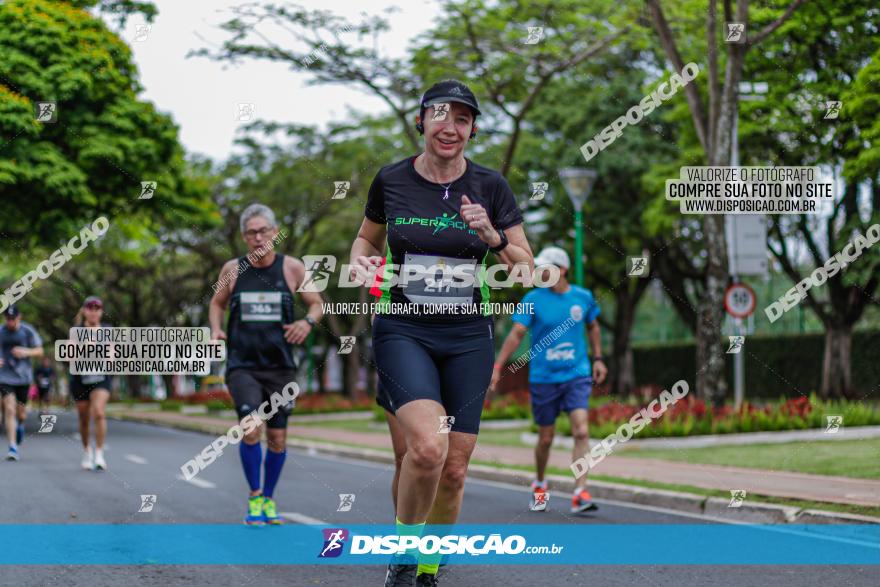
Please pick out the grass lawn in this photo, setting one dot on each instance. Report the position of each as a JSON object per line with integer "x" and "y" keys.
{"x": 846, "y": 458}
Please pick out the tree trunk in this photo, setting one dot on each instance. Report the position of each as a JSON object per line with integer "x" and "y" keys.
{"x": 622, "y": 373}
{"x": 624, "y": 380}
{"x": 837, "y": 362}
{"x": 711, "y": 383}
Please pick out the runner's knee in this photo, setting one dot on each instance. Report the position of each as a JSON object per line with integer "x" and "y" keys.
{"x": 454, "y": 476}
{"x": 253, "y": 437}
{"x": 427, "y": 454}
{"x": 276, "y": 439}
{"x": 545, "y": 439}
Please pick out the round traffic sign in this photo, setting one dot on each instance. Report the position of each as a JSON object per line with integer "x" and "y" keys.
{"x": 740, "y": 300}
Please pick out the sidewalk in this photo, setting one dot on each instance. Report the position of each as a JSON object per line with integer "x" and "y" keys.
{"x": 736, "y": 439}
{"x": 799, "y": 486}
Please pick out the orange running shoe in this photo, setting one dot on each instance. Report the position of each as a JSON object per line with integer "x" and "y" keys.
{"x": 582, "y": 502}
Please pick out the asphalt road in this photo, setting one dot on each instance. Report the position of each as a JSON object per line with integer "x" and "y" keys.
{"x": 48, "y": 487}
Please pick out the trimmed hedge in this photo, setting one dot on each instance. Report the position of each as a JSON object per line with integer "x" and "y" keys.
{"x": 775, "y": 366}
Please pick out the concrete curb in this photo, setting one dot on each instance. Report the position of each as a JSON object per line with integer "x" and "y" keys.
{"x": 748, "y": 512}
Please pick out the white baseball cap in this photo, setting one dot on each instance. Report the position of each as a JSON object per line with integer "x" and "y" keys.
{"x": 552, "y": 256}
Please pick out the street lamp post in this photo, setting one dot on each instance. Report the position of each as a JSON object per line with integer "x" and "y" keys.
{"x": 578, "y": 182}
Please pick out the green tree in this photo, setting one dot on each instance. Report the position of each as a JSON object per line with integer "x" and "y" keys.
{"x": 89, "y": 158}
{"x": 712, "y": 123}
{"x": 604, "y": 88}
{"x": 837, "y": 52}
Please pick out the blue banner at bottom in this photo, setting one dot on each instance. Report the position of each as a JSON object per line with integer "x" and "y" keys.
{"x": 525, "y": 544}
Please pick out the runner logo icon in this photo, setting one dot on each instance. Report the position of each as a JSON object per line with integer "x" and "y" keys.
{"x": 319, "y": 268}
{"x": 832, "y": 109}
{"x": 736, "y": 344}
{"x": 736, "y": 32}
{"x": 334, "y": 540}
{"x": 141, "y": 32}
{"x": 833, "y": 424}
{"x": 638, "y": 266}
{"x": 148, "y": 190}
{"x": 446, "y": 423}
{"x": 444, "y": 222}
{"x": 736, "y": 498}
{"x": 46, "y": 112}
{"x": 47, "y": 423}
{"x": 341, "y": 188}
{"x": 536, "y": 33}
{"x": 346, "y": 501}
{"x": 147, "y": 503}
{"x": 440, "y": 111}
{"x": 539, "y": 190}
{"x": 346, "y": 345}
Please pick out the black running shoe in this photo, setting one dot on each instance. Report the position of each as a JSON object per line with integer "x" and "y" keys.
{"x": 401, "y": 575}
{"x": 426, "y": 580}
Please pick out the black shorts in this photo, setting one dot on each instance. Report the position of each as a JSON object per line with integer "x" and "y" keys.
{"x": 20, "y": 391}
{"x": 44, "y": 392}
{"x": 382, "y": 398}
{"x": 82, "y": 391}
{"x": 448, "y": 363}
{"x": 251, "y": 387}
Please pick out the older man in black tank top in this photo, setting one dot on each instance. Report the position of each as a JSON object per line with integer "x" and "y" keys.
{"x": 259, "y": 291}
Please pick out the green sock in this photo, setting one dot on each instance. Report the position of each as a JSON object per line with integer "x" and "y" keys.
{"x": 410, "y": 530}
{"x": 431, "y": 567}
{"x": 429, "y": 563}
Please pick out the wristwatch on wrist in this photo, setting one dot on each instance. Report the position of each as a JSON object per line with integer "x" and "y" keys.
{"x": 310, "y": 320}
{"x": 502, "y": 244}
{"x": 598, "y": 359}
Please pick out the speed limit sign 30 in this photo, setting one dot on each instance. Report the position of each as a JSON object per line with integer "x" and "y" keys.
{"x": 740, "y": 300}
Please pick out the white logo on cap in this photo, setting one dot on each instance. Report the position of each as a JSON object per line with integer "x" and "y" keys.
{"x": 456, "y": 91}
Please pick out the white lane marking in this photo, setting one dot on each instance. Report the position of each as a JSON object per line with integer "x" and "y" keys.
{"x": 136, "y": 459}
{"x": 303, "y": 519}
{"x": 197, "y": 482}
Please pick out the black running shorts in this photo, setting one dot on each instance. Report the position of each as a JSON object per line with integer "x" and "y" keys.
{"x": 251, "y": 387}
{"x": 449, "y": 363}
{"x": 20, "y": 391}
{"x": 81, "y": 386}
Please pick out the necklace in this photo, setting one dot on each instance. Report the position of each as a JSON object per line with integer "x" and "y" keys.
{"x": 445, "y": 187}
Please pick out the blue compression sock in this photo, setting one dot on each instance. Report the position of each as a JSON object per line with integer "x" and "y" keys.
{"x": 274, "y": 463}
{"x": 251, "y": 459}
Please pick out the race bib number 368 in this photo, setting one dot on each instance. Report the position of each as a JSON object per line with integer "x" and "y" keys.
{"x": 260, "y": 306}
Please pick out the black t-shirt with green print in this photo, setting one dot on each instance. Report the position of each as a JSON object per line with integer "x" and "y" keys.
{"x": 425, "y": 230}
